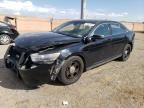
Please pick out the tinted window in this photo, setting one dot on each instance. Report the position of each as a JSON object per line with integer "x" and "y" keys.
{"x": 102, "y": 30}
{"x": 117, "y": 29}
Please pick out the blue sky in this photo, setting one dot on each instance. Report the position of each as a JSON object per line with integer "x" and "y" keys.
{"x": 129, "y": 10}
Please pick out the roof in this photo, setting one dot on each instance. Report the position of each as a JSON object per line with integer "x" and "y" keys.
{"x": 94, "y": 21}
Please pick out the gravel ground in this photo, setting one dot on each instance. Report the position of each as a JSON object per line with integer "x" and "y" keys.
{"x": 113, "y": 85}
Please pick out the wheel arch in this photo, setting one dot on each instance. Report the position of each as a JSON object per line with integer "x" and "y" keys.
{"x": 6, "y": 31}
{"x": 79, "y": 55}
{"x": 131, "y": 44}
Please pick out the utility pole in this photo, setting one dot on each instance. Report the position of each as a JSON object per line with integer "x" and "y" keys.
{"x": 83, "y": 7}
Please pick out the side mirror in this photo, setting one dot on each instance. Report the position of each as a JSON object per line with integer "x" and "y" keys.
{"x": 94, "y": 37}
{"x": 86, "y": 39}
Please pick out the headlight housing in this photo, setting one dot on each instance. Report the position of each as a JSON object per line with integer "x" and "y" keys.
{"x": 44, "y": 58}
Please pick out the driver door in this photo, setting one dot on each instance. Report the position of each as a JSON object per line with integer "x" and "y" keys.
{"x": 99, "y": 50}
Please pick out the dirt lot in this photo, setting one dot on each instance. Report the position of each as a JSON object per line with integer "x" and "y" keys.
{"x": 113, "y": 85}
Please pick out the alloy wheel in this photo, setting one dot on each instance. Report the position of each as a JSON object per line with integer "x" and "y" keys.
{"x": 127, "y": 52}
{"x": 73, "y": 70}
{"x": 4, "y": 39}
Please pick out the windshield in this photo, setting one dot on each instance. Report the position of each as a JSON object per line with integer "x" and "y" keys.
{"x": 77, "y": 29}
{"x": 2, "y": 24}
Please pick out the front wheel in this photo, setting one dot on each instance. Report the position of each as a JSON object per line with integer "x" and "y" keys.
{"x": 126, "y": 53}
{"x": 5, "y": 39}
{"x": 71, "y": 70}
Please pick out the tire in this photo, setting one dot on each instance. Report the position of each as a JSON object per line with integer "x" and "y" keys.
{"x": 126, "y": 53}
{"x": 71, "y": 71}
{"x": 5, "y": 39}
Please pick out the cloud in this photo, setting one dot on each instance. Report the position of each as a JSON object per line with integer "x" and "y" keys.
{"x": 118, "y": 14}
{"x": 24, "y": 6}
{"x": 20, "y": 7}
{"x": 104, "y": 14}
{"x": 28, "y": 8}
{"x": 17, "y": 13}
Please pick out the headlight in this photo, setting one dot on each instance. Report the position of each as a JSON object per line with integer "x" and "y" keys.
{"x": 44, "y": 58}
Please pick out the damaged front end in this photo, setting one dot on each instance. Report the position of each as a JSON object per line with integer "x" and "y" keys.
{"x": 35, "y": 68}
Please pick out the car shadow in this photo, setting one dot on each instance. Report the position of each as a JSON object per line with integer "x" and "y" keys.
{"x": 8, "y": 79}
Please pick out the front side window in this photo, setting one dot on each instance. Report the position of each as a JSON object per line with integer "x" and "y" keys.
{"x": 77, "y": 29}
{"x": 102, "y": 30}
{"x": 117, "y": 29}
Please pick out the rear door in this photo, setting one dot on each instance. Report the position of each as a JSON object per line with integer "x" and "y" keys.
{"x": 118, "y": 38}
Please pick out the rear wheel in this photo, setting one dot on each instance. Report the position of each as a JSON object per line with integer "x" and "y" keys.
{"x": 5, "y": 39}
{"x": 126, "y": 53}
{"x": 71, "y": 70}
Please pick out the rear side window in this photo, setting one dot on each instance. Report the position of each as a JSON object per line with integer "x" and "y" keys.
{"x": 103, "y": 29}
{"x": 117, "y": 29}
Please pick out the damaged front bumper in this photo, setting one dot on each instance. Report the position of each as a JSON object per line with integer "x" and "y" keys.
{"x": 31, "y": 73}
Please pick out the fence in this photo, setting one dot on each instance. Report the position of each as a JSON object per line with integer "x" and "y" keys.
{"x": 135, "y": 26}
{"x": 32, "y": 24}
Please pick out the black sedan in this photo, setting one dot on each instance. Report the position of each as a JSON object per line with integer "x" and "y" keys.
{"x": 8, "y": 33}
{"x": 68, "y": 51}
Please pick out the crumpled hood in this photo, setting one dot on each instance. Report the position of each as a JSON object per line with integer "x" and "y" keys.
{"x": 36, "y": 41}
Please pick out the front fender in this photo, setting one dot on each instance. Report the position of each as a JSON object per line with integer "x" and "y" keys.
{"x": 6, "y": 32}
{"x": 65, "y": 54}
